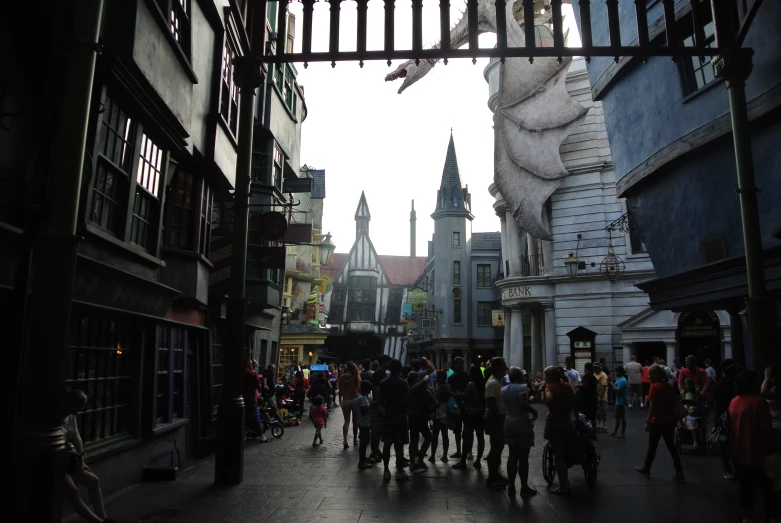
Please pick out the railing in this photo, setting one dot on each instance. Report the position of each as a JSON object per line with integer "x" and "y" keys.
{"x": 532, "y": 265}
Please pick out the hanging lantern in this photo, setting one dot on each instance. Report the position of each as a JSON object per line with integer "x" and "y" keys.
{"x": 571, "y": 264}
{"x": 612, "y": 267}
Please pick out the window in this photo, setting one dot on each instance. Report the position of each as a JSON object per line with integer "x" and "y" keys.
{"x": 363, "y": 295}
{"x": 456, "y": 273}
{"x": 117, "y": 197}
{"x": 336, "y": 314}
{"x": 697, "y": 73}
{"x": 484, "y": 313}
{"x": 169, "y": 370}
{"x": 229, "y": 93}
{"x": 393, "y": 312}
{"x": 99, "y": 364}
{"x": 457, "y": 312}
{"x": 272, "y": 15}
{"x": 216, "y": 369}
{"x": 276, "y": 171}
{"x": 638, "y": 246}
{"x": 456, "y": 239}
{"x": 177, "y": 13}
{"x": 263, "y": 356}
{"x": 189, "y": 213}
{"x": 484, "y": 275}
{"x": 205, "y": 227}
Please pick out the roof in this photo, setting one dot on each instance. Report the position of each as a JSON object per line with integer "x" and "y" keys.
{"x": 363, "y": 208}
{"x": 450, "y": 196}
{"x": 400, "y": 270}
{"x": 486, "y": 241}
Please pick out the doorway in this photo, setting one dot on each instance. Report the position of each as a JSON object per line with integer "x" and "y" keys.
{"x": 698, "y": 333}
{"x": 646, "y": 351}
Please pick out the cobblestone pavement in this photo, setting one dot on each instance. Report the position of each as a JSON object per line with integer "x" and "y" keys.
{"x": 289, "y": 480}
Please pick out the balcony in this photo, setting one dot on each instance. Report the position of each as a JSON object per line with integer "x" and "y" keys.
{"x": 532, "y": 265}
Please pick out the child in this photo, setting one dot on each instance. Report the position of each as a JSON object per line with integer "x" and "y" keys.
{"x": 318, "y": 414}
{"x": 621, "y": 397}
{"x": 690, "y": 393}
{"x": 691, "y": 424}
{"x": 363, "y": 420}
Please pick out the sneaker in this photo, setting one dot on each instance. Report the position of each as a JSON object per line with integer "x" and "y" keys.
{"x": 401, "y": 475}
{"x": 729, "y": 475}
{"x": 420, "y": 467}
{"x": 372, "y": 460}
{"x": 386, "y": 476}
{"x": 443, "y": 459}
{"x": 364, "y": 465}
{"x": 455, "y": 455}
{"x": 432, "y": 459}
{"x": 496, "y": 485}
{"x": 476, "y": 464}
{"x": 679, "y": 477}
{"x": 460, "y": 465}
{"x": 501, "y": 479}
{"x": 469, "y": 456}
{"x": 511, "y": 490}
{"x": 528, "y": 492}
{"x": 643, "y": 471}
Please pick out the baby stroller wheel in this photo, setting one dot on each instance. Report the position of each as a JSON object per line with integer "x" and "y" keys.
{"x": 590, "y": 467}
{"x": 277, "y": 430}
{"x": 548, "y": 467}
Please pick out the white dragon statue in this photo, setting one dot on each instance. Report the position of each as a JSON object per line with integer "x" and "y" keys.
{"x": 533, "y": 116}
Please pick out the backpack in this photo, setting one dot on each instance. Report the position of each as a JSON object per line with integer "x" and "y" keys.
{"x": 720, "y": 438}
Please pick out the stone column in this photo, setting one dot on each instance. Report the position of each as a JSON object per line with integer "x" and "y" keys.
{"x": 513, "y": 246}
{"x": 671, "y": 350}
{"x": 507, "y": 347}
{"x": 449, "y": 354}
{"x": 515, "y": 355}
{"x": 538, "y": 361}
{"x": 551, "y": 350}
{"x": 505, "y": 264}
{"x": 628, "y": 354}
{"x": 467, "y": 362}
{"x": 547, "y": 245}
{"x": 727, "y": 349}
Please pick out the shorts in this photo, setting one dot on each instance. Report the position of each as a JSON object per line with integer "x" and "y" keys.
{"x": 351, "y": 405}
{"x": 646, "y": 388}
{"x": 376, "y": 417}
{"x": 473, "y": 423}
{"x": 620, "y": 412}
{"x": 636, "y": 389}
{"x": 394, "y": 427}
{"x": 519, "y": 433}
{"x": 494, "y": 427}
{"x": 455, "y": 423}
{"x": 319, "y": 426}
{"x": 602, "y": 408}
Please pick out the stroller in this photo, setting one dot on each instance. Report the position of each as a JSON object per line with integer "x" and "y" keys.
{"x": 581, "y": 452}
{"x": 684, "y": 437}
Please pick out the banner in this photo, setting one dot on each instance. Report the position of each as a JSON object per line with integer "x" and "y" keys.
{"x": 417, "y": 295}
{"x": 497, "y": 318}
{"x": 327, "y": 285}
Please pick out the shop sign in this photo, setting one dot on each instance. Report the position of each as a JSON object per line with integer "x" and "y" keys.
{"x": 698, "y": 324}
{"x": 327, "y": 285}
{"x": 417, "y": 295}
{"x": 497, "y": 318}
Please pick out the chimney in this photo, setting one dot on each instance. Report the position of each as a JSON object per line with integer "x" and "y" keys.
{"x": 412, "y": 220}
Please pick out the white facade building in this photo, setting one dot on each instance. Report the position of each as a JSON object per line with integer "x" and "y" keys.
{"x": 589, "y": 317}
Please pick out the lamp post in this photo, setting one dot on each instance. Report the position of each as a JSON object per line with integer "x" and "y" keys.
{"x": 327, "y": 249}
{"x": 571, "y": 264}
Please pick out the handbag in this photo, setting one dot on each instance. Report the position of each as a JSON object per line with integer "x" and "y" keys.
{"x": 453, "y": 408}
{"x": 719, "y": 440}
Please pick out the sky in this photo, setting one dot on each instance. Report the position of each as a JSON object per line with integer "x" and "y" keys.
{"x": 392, "y": 146}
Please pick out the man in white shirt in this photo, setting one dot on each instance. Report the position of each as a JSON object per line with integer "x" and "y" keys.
{"x": 572, "y": 375}
{"x": 634, "y": 375}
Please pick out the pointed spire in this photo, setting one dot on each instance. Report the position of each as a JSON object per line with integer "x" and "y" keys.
{"x": 451, "y": 196}
{"x": 362, "y": 216}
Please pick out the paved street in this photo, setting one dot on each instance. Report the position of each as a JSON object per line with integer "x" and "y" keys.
{"x": 288, "y": 479}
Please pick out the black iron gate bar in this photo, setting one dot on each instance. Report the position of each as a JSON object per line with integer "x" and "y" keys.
{"x": 643, "y": 49}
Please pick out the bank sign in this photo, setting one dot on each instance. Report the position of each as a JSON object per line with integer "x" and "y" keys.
{"x": 516, "y": 292}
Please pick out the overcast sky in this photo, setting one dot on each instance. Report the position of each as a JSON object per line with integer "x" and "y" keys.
{"x": 392, "y": 146}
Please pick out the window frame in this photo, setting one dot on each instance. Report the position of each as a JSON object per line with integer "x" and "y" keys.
{"x": 630, "y": 238}
{"x": 362, "y": 299}
{"x": 691, "y": 69}
{"x": 456, "y": 272}
{"x": 199, "y": 210}
{"x": 174, "y": 11}
{"x": 127, "y": 176}
{"x": 456, "y": 239}
{"x": 457, "y": 311}
{"x": 228, "y": 94}
{"x": 336, "y": 310}
{"x": 164, "y": 335}
{"x": 482, "y": 319}
{"x": 486, "y": 267}
{"x": 394, "y": 308}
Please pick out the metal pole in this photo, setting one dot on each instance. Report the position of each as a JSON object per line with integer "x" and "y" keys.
{"x": 229, "y": 455}
{"x": 735, "y": 67}
{"x": 41, "y": 454}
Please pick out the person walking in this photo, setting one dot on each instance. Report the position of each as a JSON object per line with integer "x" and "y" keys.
{"x": 376, "y": 414}
{"x": 457, "y": 381}
{"x": 349, "y": 388}
{"x": 634, "y": 377}
{"x": 518, "y": 431}
{"x": 646, "y": 383}
{"x": 495, "y": 413}
{"x": 586, "y": 394}
{"x": 661, "y": 422}
{"x": 752, "y": 432}
{"x": 572, "y": 375}
{"x": 559, "y": 430}
{"x": 440, "y": 419}
{"x": 696, "y": 374}
{"x": 724, "y": 391}
{"x": 395, "y": 403}
{"x": 473, "y": 415}
{"x": 622, "y": 398}
{"x": 421, "y": 399}
{"x": 602, "y": 386}
{"x": 250, "y": 392}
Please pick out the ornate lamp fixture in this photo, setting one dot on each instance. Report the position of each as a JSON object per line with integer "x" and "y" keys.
{"x": 327, "y": 249}
{"x": 571, "y": 264}
{"x": 612, "y": 267}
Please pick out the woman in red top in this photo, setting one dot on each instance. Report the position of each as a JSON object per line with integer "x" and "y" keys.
{"x": 751, "y": 426}
{"x": 646, "y": 384}
{"x": 661, "y": 421}
{"x": 558, "y": 426}
{"x": 349, "y": 387}
{"x": 300, "y": 388}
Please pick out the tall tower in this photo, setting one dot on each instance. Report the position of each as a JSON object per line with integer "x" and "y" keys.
{"x": 362, "y": 217}
{"x": 412, "y": 234}
{"x": 452, "y": 250}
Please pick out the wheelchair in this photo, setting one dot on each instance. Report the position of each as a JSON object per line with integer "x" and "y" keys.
{"x": 581, "y": 452}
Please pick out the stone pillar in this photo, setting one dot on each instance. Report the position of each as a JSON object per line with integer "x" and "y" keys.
{"x": 671, "y": 350}
{"x": 449, "y": 354}
{"x": 547, "y": 245}
{"x": 727, "y": 349}
{"x": 538, "y": 362}
{"x": 507, "y": 347}
{"x": 628, "y": 354}
{"x": 505, "y": 259}
{"x": 515, "y": 355}
{"x": 551, "y": 350}
{"x": 513, "y": 246}
{"x": 467, "y": 361}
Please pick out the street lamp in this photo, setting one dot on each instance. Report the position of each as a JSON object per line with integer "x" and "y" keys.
{"x": 571, "y": 264}
{"x": 327, "y": 249}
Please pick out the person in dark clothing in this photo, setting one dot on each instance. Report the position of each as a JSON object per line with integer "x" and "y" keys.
{"x": 725, "y": 391}
{"x": 457, "y": 383}
{"x": 376, "y": 416}
{"x": 418, "y": 420}
{"x": 395, "y": 403}
{"x": 586, "y": 394}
